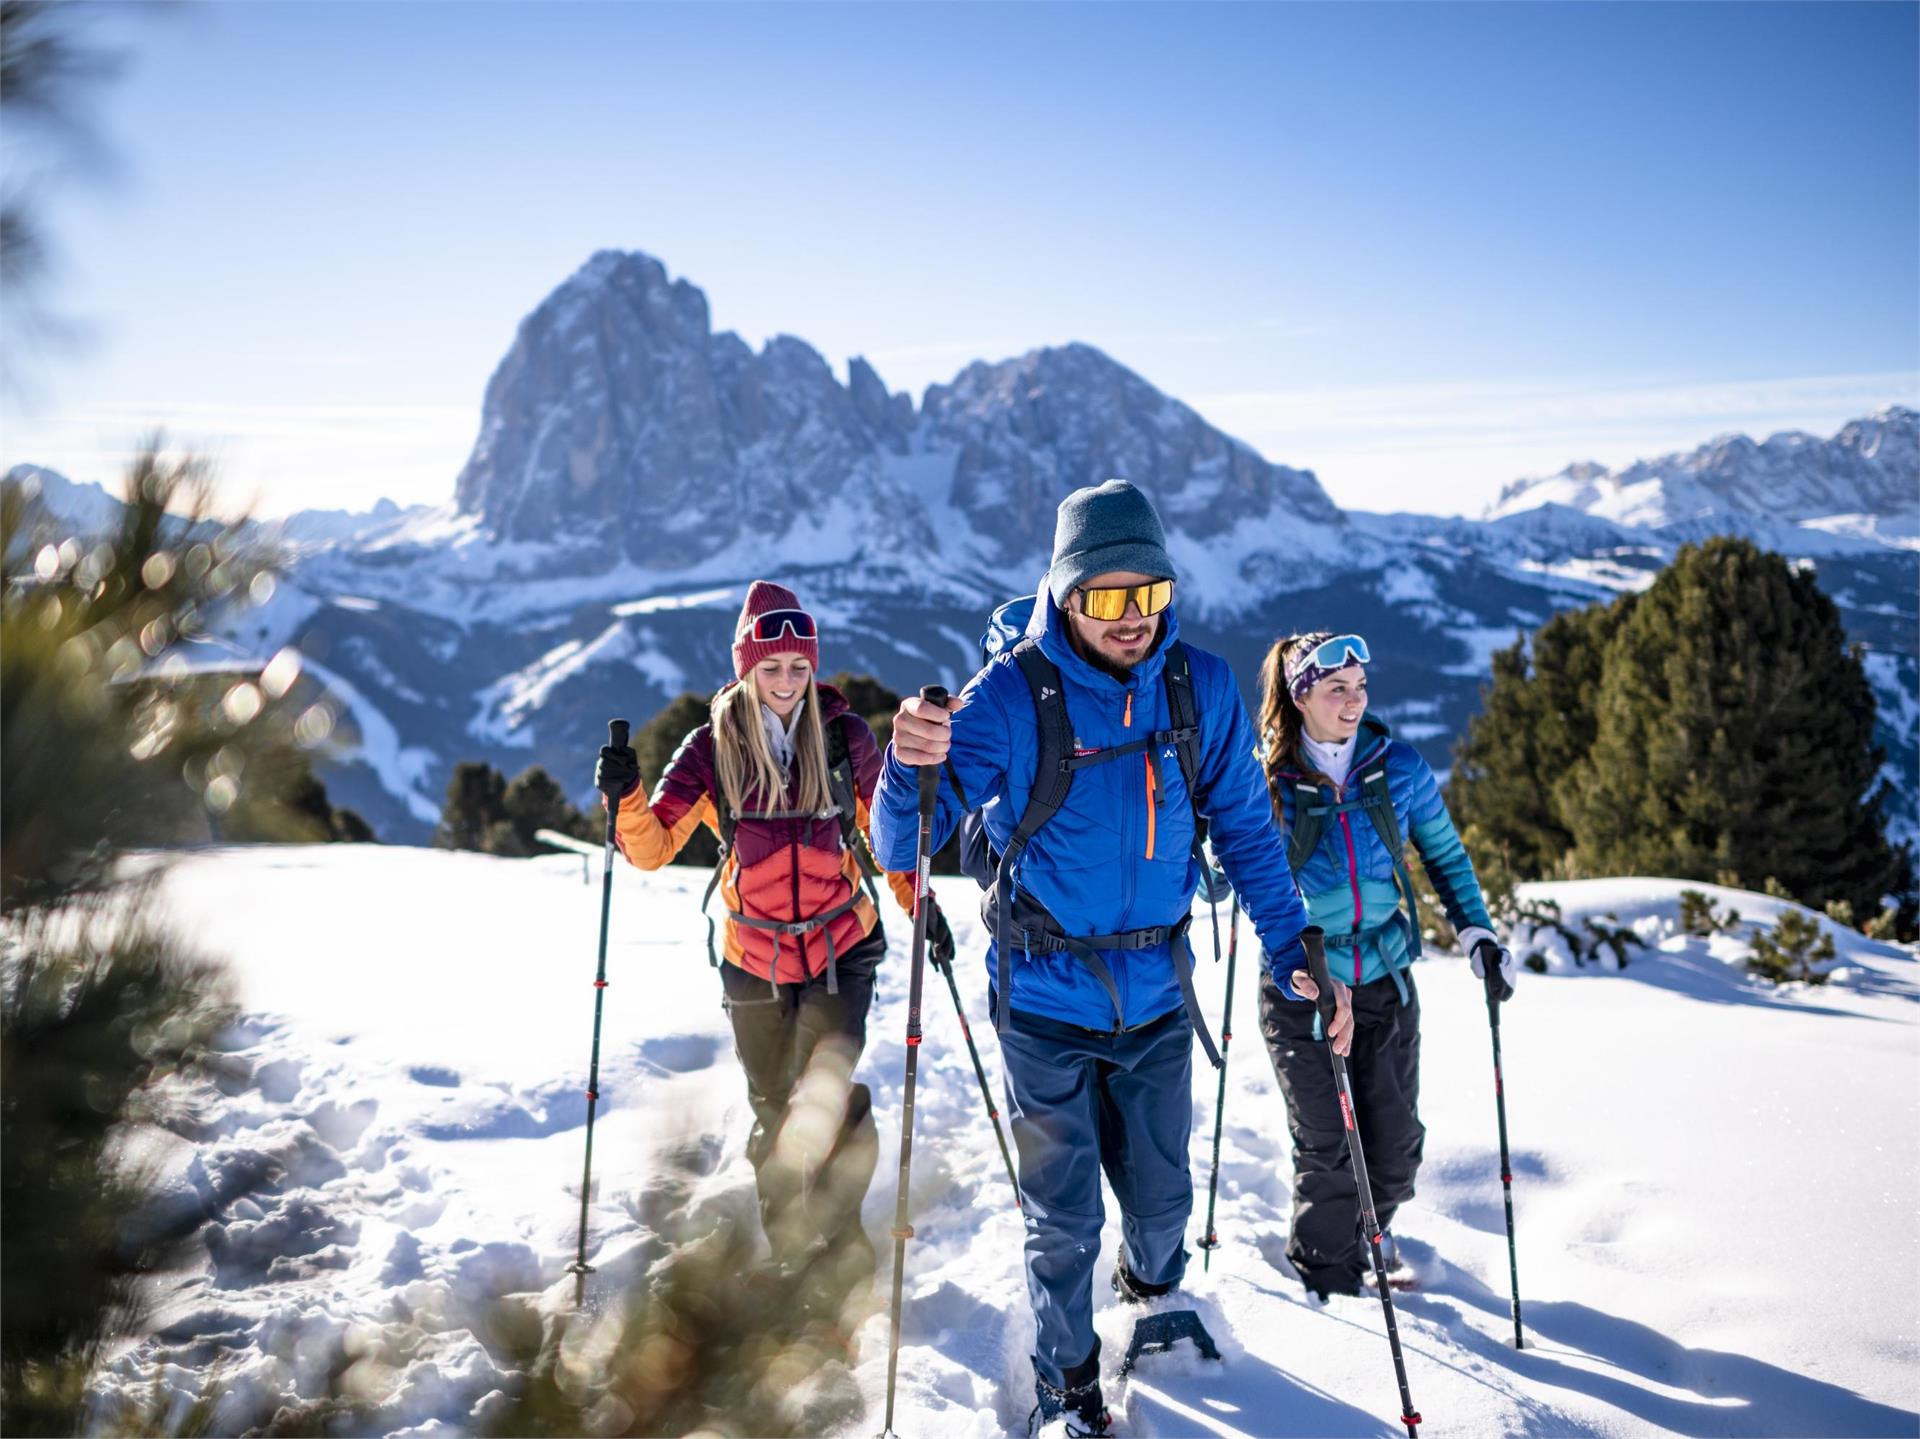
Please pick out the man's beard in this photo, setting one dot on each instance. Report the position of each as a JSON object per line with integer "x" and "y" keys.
{"x": 1109, "y": 666}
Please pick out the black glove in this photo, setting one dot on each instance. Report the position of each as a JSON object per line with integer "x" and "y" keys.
{"x": 617, "y": 775}
{"x": 940, "y": 946}
{"x": 1492, "y": 964}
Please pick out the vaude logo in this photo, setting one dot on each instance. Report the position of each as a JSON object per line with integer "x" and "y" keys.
{"x": 1047, "y": 694}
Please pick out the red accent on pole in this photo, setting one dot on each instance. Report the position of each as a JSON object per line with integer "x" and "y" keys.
{"x": 913, "y": 1039}
{"x": 593, "y": 1094}
{"x": 600, "y": 983}
{"x": 1409, "y": 1418}
{"x": 1346, "y": 1111}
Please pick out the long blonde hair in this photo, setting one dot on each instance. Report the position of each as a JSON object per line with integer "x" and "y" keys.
{"x": 1281, "y": 723}
{"x": 744, "y": 762}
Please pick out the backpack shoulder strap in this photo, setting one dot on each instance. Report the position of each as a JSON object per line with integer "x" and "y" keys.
{"x": 1176, "y": 675}
{"x": 1309, "y": 819}
{"x": 1051, "y": 779}
{"x": 1376, "y": 798}
{"x": 846, "y": 802}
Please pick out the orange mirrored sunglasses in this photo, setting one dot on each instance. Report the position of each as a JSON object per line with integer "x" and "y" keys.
{"x": 1111, "y": 603}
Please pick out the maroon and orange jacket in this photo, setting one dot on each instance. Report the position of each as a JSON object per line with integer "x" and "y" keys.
{"x": 790, "y": 870}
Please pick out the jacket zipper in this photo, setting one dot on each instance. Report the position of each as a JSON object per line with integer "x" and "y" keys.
{"x": 1126, "y": 722}
{"x": 793, "y": 850}
{"x": 1353, "y": 878}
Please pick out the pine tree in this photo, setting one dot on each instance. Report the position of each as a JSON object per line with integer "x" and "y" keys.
{"x": 475, "y": 803}
{"x": 1512, "y": 765}
{"x": 1734, "y": 732}
{"x": 101, "y": 1011}
{"x": 871, "y": 700}
{"x": 535, "y": 801}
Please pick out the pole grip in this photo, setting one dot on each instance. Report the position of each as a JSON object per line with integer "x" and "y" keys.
{"x": 1313, "y": 939}
{"x": 1490, "y": 971}
{"x": 617, "y": 732}
{"x": 930, "y": 773}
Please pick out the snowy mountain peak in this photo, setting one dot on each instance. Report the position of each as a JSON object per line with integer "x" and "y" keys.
{"x": 1028, "y": 430}
{"x": 620, "y": 423}
{"x": 1869, "y": 469}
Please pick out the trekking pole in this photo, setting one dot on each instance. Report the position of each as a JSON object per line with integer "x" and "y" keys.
{"x": 980, "y": 1073}
{"x": 922, "y": 909}
{"x": 1313, "y": 938}
{"x": 580, "y": 1269}
{"x": 1212, "y": 1241}
{"x": 1490, "y": 971}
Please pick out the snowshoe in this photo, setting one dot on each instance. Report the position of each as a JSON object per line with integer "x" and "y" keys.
{"x": 1157, "y": 1333}
{"x": 1399, "y": 1274}
{"x": 1132, "y": 1289}
{"x": 1077, "y": 1396}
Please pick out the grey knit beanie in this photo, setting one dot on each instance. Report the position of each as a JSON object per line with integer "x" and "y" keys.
{"x": 1102, "y": 529}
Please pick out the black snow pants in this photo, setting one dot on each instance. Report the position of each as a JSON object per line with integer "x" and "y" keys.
{"x": 1325, "y": 1243}
{"x": 813, "y": 1144}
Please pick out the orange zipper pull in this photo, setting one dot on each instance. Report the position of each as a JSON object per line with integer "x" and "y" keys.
{"x": 1127, "y": 720}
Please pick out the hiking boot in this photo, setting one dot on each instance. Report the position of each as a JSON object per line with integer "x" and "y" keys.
{"x": 1076, "y": 1396}
{"x": 1132, "y": 1289}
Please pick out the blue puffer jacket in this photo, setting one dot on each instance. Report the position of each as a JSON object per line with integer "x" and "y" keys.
{"x": 1348, "y": 880}
{"x": 1109, "y": 861}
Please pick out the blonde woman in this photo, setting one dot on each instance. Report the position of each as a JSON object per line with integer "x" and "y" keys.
{"x": 783, "y": 773}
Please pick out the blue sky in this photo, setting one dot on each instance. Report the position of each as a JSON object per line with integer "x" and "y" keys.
{"x": 1421, "y": 249}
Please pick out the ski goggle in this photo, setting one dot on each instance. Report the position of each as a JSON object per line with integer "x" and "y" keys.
{"x": 775, "y": 623}
{"x": 1338, "y": 652}
{"x": 1111, "y": 603}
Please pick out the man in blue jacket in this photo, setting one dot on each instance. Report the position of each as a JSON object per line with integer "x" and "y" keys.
{"x": 1094, "y": 999}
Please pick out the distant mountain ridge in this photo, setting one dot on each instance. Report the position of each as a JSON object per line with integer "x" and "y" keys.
{"x": 634, "y": 471}
{"x": 1868, "y": 472}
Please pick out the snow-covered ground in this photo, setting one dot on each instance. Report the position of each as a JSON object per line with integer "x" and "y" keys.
{"x": 1715, "y": 1180}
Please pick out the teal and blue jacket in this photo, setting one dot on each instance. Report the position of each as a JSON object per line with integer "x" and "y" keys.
{"x": 1348, "y": 880}
{"x": 1117, "y": 856}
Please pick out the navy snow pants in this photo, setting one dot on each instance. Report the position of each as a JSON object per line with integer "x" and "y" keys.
{"x": 1081, "y": 1101}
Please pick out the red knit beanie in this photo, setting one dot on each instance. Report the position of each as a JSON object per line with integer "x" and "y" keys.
{"x": 764, "y": 597}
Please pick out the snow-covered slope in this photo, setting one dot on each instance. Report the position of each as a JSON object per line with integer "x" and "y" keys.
{"x": 1714, "y": 1179}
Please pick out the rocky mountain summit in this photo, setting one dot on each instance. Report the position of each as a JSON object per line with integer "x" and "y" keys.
{"x": 619, "y": 412}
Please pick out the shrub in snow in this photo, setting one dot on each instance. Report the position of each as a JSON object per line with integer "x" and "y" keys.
{"x": 1544, "y": 942}
{"x": 1697, "y": 917}
{"x": 1797, "y": 949}
{"x": 715, "y": 1341}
